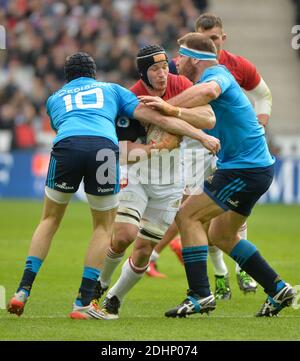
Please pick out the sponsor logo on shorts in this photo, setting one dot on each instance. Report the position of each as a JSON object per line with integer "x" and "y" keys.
{"x": 64, "y": 186}
{"x": 105, "y": 190}
{"x": 210, "y": 179}
{"x": 233, "y": 203}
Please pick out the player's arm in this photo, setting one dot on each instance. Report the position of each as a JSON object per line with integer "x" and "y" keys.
{"x": 201, "y": 117}
{"x": 129, "y": 107}
{"x": 198, "y": 94}
{"x": 262, "y": 98}
{"x": 256, "y": 87}
{"x": 131, "y": 152}
{"x": 175, "y": 126}
{"x": 48, "y": 110}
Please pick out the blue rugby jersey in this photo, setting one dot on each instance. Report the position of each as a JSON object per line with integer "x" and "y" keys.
{"x": 85, "y": 106}
{"x": 243, "y": 143}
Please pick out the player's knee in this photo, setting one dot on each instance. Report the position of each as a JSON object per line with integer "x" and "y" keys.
{"x": 142, "y": 254}
{"x": 52, "y": 221}
{"x": 123, "y": 237}
{"x": 182, "y": 220}
{"x": 223, "y": 240}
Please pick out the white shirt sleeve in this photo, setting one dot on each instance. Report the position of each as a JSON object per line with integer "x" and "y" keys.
{"x": 262, "y": 98}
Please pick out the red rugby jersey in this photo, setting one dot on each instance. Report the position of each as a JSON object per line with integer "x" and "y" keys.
{"x": 175, "y": 85}
{"x": 244, "y": 72}
{"x": 241, "y": 68}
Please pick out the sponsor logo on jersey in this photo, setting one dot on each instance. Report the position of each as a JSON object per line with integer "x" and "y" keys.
{"x": 123, "y": 122}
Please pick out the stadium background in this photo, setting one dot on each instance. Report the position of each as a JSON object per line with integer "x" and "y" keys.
{"x": 39, "y": 36}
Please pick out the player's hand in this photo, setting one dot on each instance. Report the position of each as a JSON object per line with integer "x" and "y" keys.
{"x": 211, "y": 143}
{"x": 159, "y": 104}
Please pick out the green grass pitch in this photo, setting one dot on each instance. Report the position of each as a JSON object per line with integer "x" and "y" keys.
{"x": 273, "y": 228}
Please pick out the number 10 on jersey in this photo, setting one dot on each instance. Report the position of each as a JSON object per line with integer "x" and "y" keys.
{"x": 97, "y": 102}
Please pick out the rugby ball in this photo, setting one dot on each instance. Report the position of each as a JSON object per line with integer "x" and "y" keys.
{"x": 157, "y": 135}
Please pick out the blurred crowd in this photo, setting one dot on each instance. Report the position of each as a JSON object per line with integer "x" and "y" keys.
{"x": 40, "y": 34}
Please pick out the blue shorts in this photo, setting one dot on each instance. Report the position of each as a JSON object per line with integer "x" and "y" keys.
{"x": 91, "y": 158}
{"x": 238, "y": 189}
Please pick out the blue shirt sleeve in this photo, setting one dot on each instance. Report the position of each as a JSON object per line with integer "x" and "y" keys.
{"x": 127, "y": 101}
{"x": 219, "y": 76}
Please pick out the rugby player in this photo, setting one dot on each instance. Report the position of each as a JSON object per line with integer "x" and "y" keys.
{"x": 147, "y": 207}
{"x": 250, "y": 80}
{"x": 245, "y": 170}
{"x": 83, "y": 113}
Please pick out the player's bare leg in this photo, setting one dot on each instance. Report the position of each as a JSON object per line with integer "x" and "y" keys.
{"x": 123, "y": 236}
{"x": 168, "y": 238}
{"x": 175, "y": 245}
{"x": 246, "y": 283}
{"x": 84, "y": 307}
{"x": 221, "y": 232}
{"x": 132, "y": 271}
{"x": 52, "y": 215}
{"x": 195, "y": 212}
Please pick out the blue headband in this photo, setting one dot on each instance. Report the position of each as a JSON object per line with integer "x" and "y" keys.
{"x": 197, "y": 54}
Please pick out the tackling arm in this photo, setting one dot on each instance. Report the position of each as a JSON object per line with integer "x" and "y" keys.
{"x": 201, "y": 117}
{"x": 175, "y": 126}
{"x": 199, "y": 94}
{"x": 132, "y": 152}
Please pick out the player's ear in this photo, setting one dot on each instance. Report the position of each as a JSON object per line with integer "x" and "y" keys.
{"x": 224, "y": 37}
{"x": 195, "y": 61}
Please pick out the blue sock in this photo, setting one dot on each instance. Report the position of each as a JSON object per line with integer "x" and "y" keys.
{"x": 195, "y": 263}
{"x": 32, "y": 266}
{"x": 87, "y": 287}
{"x": 250, "y": 260}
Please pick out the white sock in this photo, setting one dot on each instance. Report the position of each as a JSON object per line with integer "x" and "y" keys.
{"x": 111, "y": 262}
{"x": 243, "y": 235}
{"x": 130, "y": 275}
{"x": 216, "y": 256}
{"x": 154, "y": 256}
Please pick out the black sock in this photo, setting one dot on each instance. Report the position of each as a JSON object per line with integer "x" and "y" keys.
{"x": 259, "y": 269}
{"x": 88, "y": 285}
{"x": 195, "y": 263}
{"x": 250, "y": 260}
{"x": 86, "y": 292}
{"x": 32, "y": 267}
{"x": 27, "y": 281}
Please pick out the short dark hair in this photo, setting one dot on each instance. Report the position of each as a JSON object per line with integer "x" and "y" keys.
{"x": 78, "y": 65}
{"x": 198, "y": 41}
{"x": 208, "y": 21}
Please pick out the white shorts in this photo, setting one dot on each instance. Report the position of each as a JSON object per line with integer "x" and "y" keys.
{"x": 149, "y": 204}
